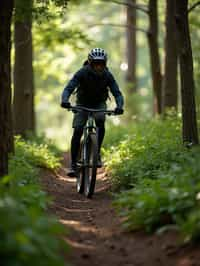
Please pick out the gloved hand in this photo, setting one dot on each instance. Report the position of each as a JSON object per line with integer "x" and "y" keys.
{"x": 119, "y": 111}
{"x": 65, "y": 105}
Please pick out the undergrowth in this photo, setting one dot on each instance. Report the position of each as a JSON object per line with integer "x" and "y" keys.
{"x": 156, "y": 178}
{"x": 29, "y": 236}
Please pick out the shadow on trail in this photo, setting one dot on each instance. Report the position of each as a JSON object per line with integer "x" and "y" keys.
{"x": 95, "y": 233}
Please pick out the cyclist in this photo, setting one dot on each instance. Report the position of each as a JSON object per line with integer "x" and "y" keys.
{"x": 92, "y": 83}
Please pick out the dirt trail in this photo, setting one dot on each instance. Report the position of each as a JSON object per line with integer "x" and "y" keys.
{"x": 96, "y": 236}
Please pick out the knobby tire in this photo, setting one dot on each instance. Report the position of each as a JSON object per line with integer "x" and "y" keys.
{"x": 91, "y": 165}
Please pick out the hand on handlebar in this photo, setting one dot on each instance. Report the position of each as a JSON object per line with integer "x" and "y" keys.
{"x": 66, "y": 105}
{"x": 119, "y": 111}
{"x": 79, "y": 108}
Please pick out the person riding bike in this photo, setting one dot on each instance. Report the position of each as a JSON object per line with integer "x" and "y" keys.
{"x": 92, "y": 83}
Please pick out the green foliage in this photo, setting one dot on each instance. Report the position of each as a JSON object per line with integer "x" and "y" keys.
{"x": 28, "y": 235}
{"x": 191, "y": 226}
{"x": 154, "y": 203}
{"x": 158, "y": 178}
{"x": 42, "y": 140}
{"x": 36, "y": 154}
{"x": 148, "y": 149}
{"x": 116, "y": 134}
{"x": 51, "y": 34}
{"x": 23, "y": 10}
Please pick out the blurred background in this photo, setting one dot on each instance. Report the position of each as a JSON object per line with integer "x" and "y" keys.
{"x": 61, "y": 43}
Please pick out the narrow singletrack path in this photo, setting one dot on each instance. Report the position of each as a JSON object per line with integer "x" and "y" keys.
{"x": 95, "y": 233}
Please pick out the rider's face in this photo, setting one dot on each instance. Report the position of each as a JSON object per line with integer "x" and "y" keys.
{"x": 98, "y": 65}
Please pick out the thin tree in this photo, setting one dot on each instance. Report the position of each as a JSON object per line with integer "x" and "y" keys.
{"x": 24, "y": 115}
{"x": 170, "y": 84}
{"x": 152, "y": 34}
{"x": 131, "y": 46}
{"x": 154, "y": 55}
{"x": 189, "y": 121}
{"x": 6, "y": 136}
{"x": 23, "y": 106}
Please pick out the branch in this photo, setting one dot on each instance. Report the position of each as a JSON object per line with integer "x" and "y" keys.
{"x": 142, "y": 8}
{"x": 119, "y": 25}
{"x": 193, "y": 6}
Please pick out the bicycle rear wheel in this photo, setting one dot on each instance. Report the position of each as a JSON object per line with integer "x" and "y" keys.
{"x": 80, "y": 171}
{"x": 90, "y": 170}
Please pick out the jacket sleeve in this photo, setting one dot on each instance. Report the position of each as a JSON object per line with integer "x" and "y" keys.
{"x": 114, "y": 88}
{"x": 71, "y": 86}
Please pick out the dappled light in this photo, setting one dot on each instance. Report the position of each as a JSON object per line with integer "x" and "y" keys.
{"x": 184, "y": 262}
{"x": 99, "y": 132}
{"x": 82, "y": 246}
{"x": 93, "y": 228}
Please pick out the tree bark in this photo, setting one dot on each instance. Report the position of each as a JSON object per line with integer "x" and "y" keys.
{"x": 24, "y": 117}
{"x": 154, "y": 55}
{"x": 6, "y": 137}
{"x": 189, "y": 130}
{"x": 170, "y": 84}
{"x": 131, "y": 47}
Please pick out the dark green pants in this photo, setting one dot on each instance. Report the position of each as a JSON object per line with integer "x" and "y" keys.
{"x": 80, "y": 119}
{"x": 79, "y": 122}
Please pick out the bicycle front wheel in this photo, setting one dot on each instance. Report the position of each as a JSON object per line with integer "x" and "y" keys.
{"x": 91, "y": 165}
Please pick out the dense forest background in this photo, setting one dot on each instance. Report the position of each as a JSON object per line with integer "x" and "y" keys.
{"x": 61, "y": 44}
{"x": 151, "y": 54}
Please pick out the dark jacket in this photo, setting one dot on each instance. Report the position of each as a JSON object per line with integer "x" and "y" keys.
{"x": 92, "y": 88}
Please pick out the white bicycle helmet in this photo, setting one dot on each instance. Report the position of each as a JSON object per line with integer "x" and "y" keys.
{"x": 97, "y": 54}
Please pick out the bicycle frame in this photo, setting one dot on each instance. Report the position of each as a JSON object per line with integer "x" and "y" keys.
{"x": 90, "y": 126}
{"x": 89, "y": 153}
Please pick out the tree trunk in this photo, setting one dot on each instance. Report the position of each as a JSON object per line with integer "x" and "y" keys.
{"x": 189, "y": 131}
{"x": 131, "y": 60}
{"x": 131, "y": 47}
{"x": 170, "y": 85}
{"x": 154, "y": 55}
{"x": 6, "y": 137}
{"x": 24, "y": 118}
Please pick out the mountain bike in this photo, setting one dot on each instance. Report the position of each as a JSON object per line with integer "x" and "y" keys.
{"x": 87, "y": 163}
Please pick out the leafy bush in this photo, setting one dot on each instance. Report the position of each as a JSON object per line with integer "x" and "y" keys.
{"x": 38, "y": 154}
{"x": 28, "y": 235}
{"x": 158, "y": 177}
{"x": 150, "y": 150}
{"x": 156, "y": 202}
{"x": 114, "y": 135}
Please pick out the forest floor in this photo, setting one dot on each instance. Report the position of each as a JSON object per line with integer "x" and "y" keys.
{"x": 95, "y": 234}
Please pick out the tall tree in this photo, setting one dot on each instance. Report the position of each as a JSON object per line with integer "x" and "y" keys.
{"x": 170, "y": 85}
{"x": 152, "y": 34}
{"x": 6, "y": 137}
{"x": 131, "y": 52}
{"x": 154, "y": 55}
{"x": 24, "y": 116}
{"x": 131, "y": 45}
{"x": 189, "y": 131}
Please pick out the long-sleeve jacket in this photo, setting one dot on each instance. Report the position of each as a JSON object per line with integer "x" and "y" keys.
{"x": 91, "y": 88}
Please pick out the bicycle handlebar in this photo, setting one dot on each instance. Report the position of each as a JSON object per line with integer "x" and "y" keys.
{"x": 77, "y": 108}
